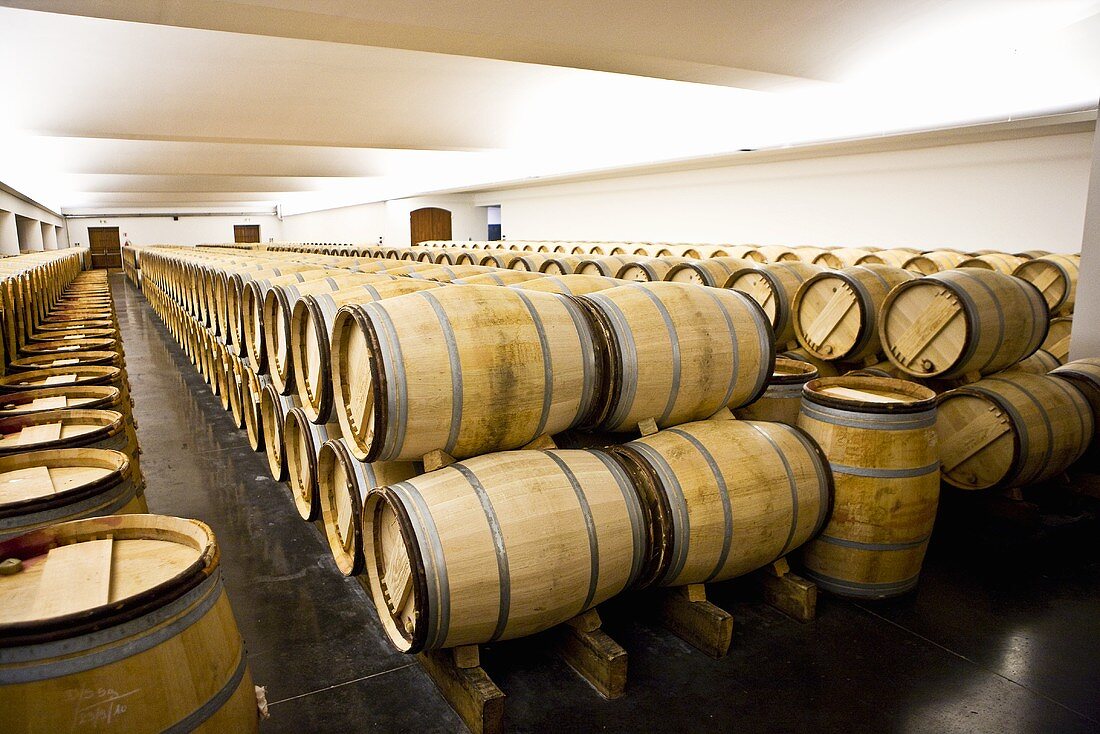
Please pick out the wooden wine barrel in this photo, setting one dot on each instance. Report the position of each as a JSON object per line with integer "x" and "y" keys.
{"x": 836, "y": 313}
{"x": 57, "y": 429}
{"x": 676, "y": 352}
{"x": 650, "y": 270}
{"x": 223, "y": 374}
{"x": 274, "y": 409}
{"x": 726, "y": 497}
{"x": 303, "y": 441}
{"x": 342, "y": 485}
{"x": 58, "y": 376}
{"x": 1032, "y": 254}
{"x": 895, "y": 257}
{"x": 88, "y": 397}
{"x": 49, "y": 331}
{"x": 39, "y": 488}
{"x": 845, "y": 257}
{"x": 998, "y": 262}
{"x": 449, "y": 273}
{"x": 459, "y": 555}
{"x": 1084, "y": 374}
{"x": 122, "y": 624}
{"x": 782, "y": 397}
{"x": 1058, "y": 338}
{"x": 531, "y": 261}
{"x": 714, "y": 271}
{"x": 1056, "y": 278}
{"x": 776, "y": 253}
{"x": 253, "y": 299}
{"x": 934, "y": 261}
{"x": 238, "y": 392}
{"x": 961, "y": 321}
{"x": 428, "y": 371}
{"x": 252, "y": 391}
{"x": 1011, "y": 430}
{"x": 277, "y": 322}
{"x": 561, "y": 265}
{"x": 605, "y": 265}
{"x": 879, "y": 435}
{"x": 312, "y": 323}
{"x": 74, "y": 344}
{"x": 824, "y": 369}
{"x": 499, "y": 277}
{"x": 65, "y": 359}
{"x": 74, "y": 336}
{"x": 773, "y": 286}
{"x": 569, "y": 285}
{"x": 1040, "y": 363}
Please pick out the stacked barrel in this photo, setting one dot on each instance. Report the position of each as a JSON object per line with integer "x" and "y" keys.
{"x": 68, "y": 448}
{"x": 355, "y": 368}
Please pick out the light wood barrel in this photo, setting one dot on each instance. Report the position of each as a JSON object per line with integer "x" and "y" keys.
{"x": 605, "y": 265}
{"x": 530, "y": 261}
{"x": 239, "y": 390}
{"x": 676, "y": 352}
{"x": 1084, "y": 374}
{"x": 278, "y": 320}
{"x": 459, "y": 555}
{"x": 75, "y": 343}
{"x": 58, "y": 429}
{"x": 836, "y": 313}
{"x": 253, "y": 298}
{"x": 312, "y": 321}
{"x": 78, "y": 375}
{"x": 776, "y": 253}
{"x": 40, "y": 488}
{"x": 430, "y": 370}
{"x": 65, "y": 359}
{"x": 122, "y": 624}
{"x": 1056, "y": 278}
{"x": 934, "y": 261}
{"x": 782, "y": 398}
{"x": 97, "y": 327}
{"x": 1011, "y": 430}
{"x": 499, "y": 277}
{"x": 649, "y": 270}
{"x": 962, "y": 321}
{"x": 303, "y": 441}
{"x": 569, "y": 285}
{"x": 725, "y": 497}
{"x": 894, "y": 257}
{"x": 773, "y": 286}
{"x": 561, "y": 265}
{"x": 844, "y": 257}
{"x": 1040, "y": 363}
{"x": 274, "y": 409}
{"x": 88, "y": 397}
{"x": 252, "y": 390}
{"x": 1059, "y": 338}
{"x": 342, "y": 485}
{"x": 713, "y": 271}
{"x": 998, "y": 262}
{"x": 879, "y": 435}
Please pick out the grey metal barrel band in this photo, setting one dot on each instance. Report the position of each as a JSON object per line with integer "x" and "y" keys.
{"x": 869, "y": 421}
{"x": 455, "y": 366}
{"x": 397, "y": 400}
{"x": 589, "y": 526}
{"x": 882, "y": 473}
{"x": 438, "y": 614}
{"x": 792, "y": 483}
{"x": 195, "y": 719}
{"x": 674, "y": 342}
{"x": 998, "y": 310}
{"x": 861, "y": 590}
{"x": 681, "y": 522}
{"x": 628, "y": 386}
{"x": 857, "y": 545}
{"x": 633, "y": 510}
{"x": 504, "y": 574}
{"x": 547, "y": 362}
{"x": 97, "y": 649}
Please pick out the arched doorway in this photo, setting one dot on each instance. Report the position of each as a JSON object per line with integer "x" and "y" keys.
{"x": 430, "y": 223}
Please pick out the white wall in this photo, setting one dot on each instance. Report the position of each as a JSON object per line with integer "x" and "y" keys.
{"x": 156, "y": 230}
{"x": 468, "y": 221}
{"x": 351, "y": 225}
{"x": 30, "y": 234}
{"x": 11, "y": 233}
{"x": 1011, "y": 195}
{"x": 49, "y": 236}
{"x": 1085, "y": 340}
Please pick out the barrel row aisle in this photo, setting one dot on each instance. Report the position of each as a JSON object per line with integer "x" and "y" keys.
{"x": 495, "y": 452}
{"x": 108, "y": 616}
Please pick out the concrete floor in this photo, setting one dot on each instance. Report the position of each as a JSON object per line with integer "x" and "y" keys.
{"x": 1003, "y": 634}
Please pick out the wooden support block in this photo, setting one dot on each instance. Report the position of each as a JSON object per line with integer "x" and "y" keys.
{"x": 437, "y": 460}
{"x": 789, "y": 593}
{"x": 723, "y": 414}
{"x": 545, "y": 441}
{"x": 647, "y": 427}
{"x": 699, "y": 623}
{"x": 467, "y": 656}
{"x": 469, "y": 691}
{"x": 593, "y": 655}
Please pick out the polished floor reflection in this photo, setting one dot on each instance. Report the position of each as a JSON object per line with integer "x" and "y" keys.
{"x": 1003, "y": 634}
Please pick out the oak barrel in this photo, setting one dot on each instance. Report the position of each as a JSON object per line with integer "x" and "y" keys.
{"x": 1056, "y": 277}
{"x": 274, "y": 409}
{"x": 121, "y": 623}
{"x": 1059, "y": 337}
{"x": 773, "y": 286}
{"x": 303, "y": 441}
{"x": 460, "y": 555}
{"x": 782, "y": 397}
{"x": 879, "y": 435}
{"x": 1011, "y": 430}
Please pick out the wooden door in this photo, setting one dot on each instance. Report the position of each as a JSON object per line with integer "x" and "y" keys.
{"x": 246, "y": 233}
{"x": 105, "y": 248}
{"x": 430, "y": 223}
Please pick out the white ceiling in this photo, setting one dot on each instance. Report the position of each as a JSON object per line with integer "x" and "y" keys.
{"x": 333, "y": 102}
